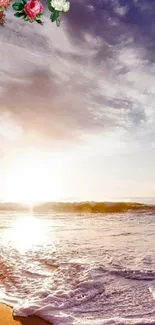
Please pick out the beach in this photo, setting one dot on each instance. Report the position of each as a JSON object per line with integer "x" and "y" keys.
{"x": 6, "y": 318}
{"x": 87, "y": 269}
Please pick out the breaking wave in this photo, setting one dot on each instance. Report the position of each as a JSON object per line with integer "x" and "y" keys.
{"x": 95, "y": 207}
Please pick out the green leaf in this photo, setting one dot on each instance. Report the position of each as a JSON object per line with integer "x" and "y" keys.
{"x": 23, "y": 2}
{"x": 18, "y": 6}
{"x": 58, "y": 21}
{"x": 19, "y": 14}
{"x": 21, "y": 6}
{"x": 15, "y": 7}
{"x": 40, "y": 15}
{"x": 39, "y": 21}
{"x": 17, "y": 3}
{"x": 54, "y": 16}
{"x": 24, "y": 16}
{"x": 50, "y": 7}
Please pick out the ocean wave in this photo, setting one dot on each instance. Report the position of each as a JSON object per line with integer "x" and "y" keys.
{"x": 82, "y": 207}
{"x": 122, "y": 234}
{"x": 75, "y": 294}
{"x": 140, "y": 275}
{"x": 95, "y": 207}
{"x": 135, "y": 274}
{"x": 84, "y": 278}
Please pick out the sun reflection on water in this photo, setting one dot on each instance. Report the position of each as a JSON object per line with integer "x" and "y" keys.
{"x": 25, "y": 232}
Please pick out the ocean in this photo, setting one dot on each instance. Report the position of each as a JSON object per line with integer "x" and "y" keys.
{"x": 79, "y": 269}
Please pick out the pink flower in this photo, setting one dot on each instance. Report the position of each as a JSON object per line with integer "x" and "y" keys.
{"x": 4, "y": 3}
{"x": 32, "y": 8}
{"x": 2, "y": 16}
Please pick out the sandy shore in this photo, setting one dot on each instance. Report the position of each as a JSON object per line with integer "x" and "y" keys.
{"x": 7, "y": 319}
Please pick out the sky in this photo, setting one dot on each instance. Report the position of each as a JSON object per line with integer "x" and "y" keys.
{"x": 77, "y": 103}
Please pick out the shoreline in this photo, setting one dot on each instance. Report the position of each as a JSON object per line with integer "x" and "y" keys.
{"x": 6, "y": 318}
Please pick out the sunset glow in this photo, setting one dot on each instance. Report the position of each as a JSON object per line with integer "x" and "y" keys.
{"x": 86, "y": 90}
{"x": 33, "y": 178}
{"x": 25, "y": 232}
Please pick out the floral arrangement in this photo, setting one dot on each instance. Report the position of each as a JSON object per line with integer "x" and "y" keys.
{"x": 32, "y": 10}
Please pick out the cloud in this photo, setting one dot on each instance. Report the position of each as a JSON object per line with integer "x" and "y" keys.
{"x": 92, "y": 75}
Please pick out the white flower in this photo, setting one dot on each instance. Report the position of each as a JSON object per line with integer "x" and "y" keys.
{"x": 60, "y": 5}
{"x": 66, "y": 6}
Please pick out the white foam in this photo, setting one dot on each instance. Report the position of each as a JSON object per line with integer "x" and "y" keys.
{"x": 71, "y": 304}
{"x": 86, "y": 282}
{"x": 55, "y": 292}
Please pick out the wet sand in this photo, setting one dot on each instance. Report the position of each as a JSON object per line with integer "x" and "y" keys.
{"x": 6, "y": 318}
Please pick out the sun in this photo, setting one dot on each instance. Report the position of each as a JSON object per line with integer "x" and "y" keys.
{"x": 33, "y": 177}
{"x": 25, "y": 232}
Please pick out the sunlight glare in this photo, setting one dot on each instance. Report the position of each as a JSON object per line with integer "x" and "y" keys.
{"x": 33, "y": 177}
{"x": 27, "y": 231}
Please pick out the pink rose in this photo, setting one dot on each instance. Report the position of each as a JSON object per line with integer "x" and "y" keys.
{"x": 32, "y": 8}
{"x": 1, "y": 14}
{"x": 2, "y": 18}
{"x": 4, "y": 3}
